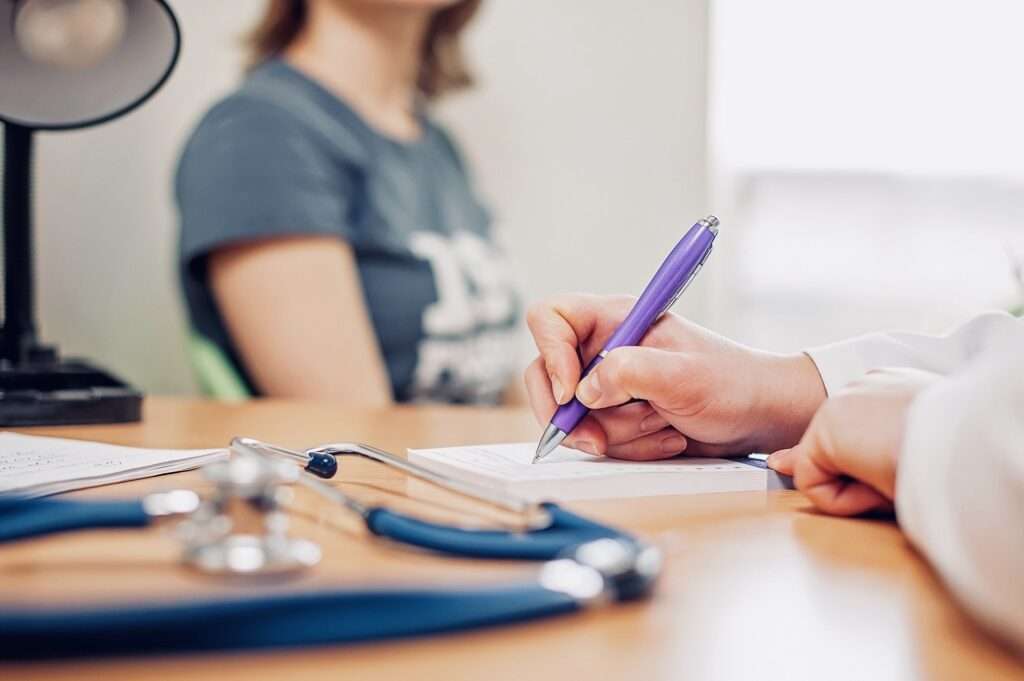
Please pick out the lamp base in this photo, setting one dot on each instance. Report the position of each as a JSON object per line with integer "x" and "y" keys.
{"x": 63, "y": 393}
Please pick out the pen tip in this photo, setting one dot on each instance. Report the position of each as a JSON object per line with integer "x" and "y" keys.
{"x": 549, "y": 441}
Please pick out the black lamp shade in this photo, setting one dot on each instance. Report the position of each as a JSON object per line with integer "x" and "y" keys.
{"x": 46, "y": 96}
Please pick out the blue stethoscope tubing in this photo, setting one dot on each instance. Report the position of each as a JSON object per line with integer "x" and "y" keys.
{"x": 22, "y": 518}
{"x": 270, "y": 621}
{"x": 298, "y": 619}
{"x": 564, "y": 531}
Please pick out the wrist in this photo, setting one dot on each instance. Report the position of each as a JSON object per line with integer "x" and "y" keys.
{"x": 788, "y": 392}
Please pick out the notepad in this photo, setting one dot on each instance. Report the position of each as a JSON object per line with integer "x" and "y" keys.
{"x": 567, "y": 474}
{"x": 37, "y": 466}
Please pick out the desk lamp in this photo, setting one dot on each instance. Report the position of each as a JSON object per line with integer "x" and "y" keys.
{"x": 64, "y": 65}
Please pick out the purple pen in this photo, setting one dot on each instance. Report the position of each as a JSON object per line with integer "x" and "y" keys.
{"x": 664, "y": 289}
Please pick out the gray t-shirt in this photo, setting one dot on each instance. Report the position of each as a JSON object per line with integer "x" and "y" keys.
{"x": 282, "y": 156}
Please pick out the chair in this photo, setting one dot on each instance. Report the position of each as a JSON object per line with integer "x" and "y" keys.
{"x": 217, "y": 375}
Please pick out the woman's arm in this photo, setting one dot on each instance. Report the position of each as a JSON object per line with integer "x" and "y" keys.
{"x": 295, "y": 310}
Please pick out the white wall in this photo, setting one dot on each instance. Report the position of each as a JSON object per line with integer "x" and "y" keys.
{"x": 106, "y": 224}
{"x": 587, "y": 133}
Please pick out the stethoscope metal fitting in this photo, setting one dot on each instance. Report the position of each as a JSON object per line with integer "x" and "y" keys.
{"x": 242, "y": 528}
{"x": 322, "y": 461}
{"x": 548, "y": 531}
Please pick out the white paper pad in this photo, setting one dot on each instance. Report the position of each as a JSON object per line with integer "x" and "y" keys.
{"x": 37, "y": 466}
{"x": 569, "y": 474}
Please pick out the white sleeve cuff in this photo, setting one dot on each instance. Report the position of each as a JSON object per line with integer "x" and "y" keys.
{"x": 845, "y": 361}
{"x": 848, "y": 360}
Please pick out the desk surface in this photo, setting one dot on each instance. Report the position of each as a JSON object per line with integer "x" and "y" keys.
{"x": 755, "y": 585}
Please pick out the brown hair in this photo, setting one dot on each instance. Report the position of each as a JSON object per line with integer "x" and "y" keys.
{"x": 442, "y": 68}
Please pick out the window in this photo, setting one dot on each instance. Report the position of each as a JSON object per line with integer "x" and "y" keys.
{"x": 869, "y": 159}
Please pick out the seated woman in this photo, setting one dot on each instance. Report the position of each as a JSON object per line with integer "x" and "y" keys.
{"x": 332, "y": 244}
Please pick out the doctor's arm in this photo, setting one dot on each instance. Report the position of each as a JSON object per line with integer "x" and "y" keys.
{"x": 948, "y": 453}
{"x": 686, "y": 389}
{"x": 842, "y": 362}
{"x": 960, "y": 487}
{"x": 294, "y": 307}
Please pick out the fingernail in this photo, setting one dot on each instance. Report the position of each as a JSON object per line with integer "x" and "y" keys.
{"x": 673, "y": 444}
{"x": 588, "y": 447}
{"x": 557, "y": 389}
{"x": 589, "y": 390}
{"x": 652, "y": 423}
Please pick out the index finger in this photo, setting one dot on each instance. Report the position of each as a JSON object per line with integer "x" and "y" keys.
{"x": 560, "y": 326}
{"x": 589, "y": 435}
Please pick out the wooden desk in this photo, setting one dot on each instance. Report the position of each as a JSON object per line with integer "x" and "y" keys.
{"x": 755, "y": 586}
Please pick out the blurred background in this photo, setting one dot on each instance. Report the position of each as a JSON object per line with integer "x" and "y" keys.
{"x": 865, "y": 159}
{"x": 869, "y": 161}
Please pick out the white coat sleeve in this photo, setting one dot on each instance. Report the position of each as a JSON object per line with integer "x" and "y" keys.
{"x": 842, "y": 362}
{"x": 960, "y": 483}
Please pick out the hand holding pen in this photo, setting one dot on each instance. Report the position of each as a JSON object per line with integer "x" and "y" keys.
{"x": 683, "y": 388}
{"x": 675, "y": 274}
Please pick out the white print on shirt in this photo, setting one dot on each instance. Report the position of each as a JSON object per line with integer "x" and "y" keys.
{"x": 468, "y": 350}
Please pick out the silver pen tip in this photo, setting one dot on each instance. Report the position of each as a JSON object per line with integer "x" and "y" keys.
{"x": 549, "y": 442}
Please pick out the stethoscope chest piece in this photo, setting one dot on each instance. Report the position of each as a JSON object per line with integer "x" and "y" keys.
{"x": 254, "y": 555}
{"x": 241, "y": 529}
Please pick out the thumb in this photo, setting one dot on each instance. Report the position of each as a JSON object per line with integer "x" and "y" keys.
{"x": 637, "y": 373}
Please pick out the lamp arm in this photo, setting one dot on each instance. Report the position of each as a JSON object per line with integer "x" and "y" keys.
{"x": 18, "y": 338}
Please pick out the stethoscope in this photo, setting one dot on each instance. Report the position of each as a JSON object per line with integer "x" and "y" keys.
{"x": 241, "y": 528}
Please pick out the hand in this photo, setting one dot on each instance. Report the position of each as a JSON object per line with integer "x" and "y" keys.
{"x": 846, "y": 461}
{"x": 683, "y": 389}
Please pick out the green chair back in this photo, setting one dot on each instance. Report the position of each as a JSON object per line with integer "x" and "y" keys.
{"x": 217, "y": 376}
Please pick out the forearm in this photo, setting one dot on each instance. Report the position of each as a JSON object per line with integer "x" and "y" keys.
{"x": 960, "y": 486}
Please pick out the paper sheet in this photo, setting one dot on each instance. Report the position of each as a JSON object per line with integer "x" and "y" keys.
{"x": 512, "y": 462}
{"x": 36, "y": 466}
{"x": 567, "y": 473}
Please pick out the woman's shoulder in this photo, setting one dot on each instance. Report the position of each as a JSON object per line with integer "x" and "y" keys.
{"x": 270, "y": 109}
{"x": 242, "y": 117}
